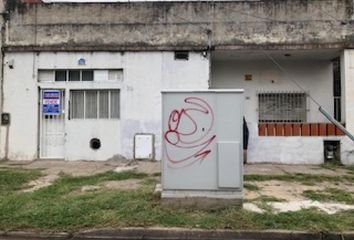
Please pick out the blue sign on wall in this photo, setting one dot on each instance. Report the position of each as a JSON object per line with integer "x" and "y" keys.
{"x": 51, "y": 102}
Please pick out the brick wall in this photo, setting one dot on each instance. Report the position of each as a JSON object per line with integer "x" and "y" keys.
{"x": 298, "y": 129}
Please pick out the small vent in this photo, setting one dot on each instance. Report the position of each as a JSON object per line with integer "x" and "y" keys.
{"x": 182, "y": 55}
{"x": 95, "y": 143}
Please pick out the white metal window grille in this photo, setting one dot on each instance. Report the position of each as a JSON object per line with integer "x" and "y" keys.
{"x": 282, "y": 106}
{"x": 94, "y": 104}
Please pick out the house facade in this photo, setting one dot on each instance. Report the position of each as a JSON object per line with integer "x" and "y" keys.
{"x": 80, "y": 80}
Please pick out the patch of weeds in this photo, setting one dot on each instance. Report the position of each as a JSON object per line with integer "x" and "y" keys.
{"x": 350, "y": 169}
{"x": 265, "y": 206}
{"x": 15, "y": 179}
{"x": 251, "y": 187}
{"x": 306, "y": 219}
{"x": 338, "y": 165}
{"x": 54, "y": 209}
{"x": 330, "y": 195}
{"x": 149, "y": 181}
{"x": 306, "y": 179}
{"x": 332, "y": 165}
{"x": 265, "y": 198}
{"x": 156, "y": 174}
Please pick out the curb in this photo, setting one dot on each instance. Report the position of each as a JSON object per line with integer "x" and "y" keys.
{"x": 176, "y": 234}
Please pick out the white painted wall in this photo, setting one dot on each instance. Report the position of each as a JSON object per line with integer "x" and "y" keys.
{"x": 145, "y": 74}
{"x": 347, "y": 147}
{"x": 314, "y": 75}
{"x": 21, "y": 100}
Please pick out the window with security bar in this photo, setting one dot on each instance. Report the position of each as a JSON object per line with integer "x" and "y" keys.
{"x": 94, "y": 104}
{"x": 281, "y": 107}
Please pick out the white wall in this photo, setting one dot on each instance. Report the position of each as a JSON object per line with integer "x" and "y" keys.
{"x": 314, "y": 76}
{"x": 145, "y": 74}
{"x": 347, "y": 147}
{"x": 21, "y": 101}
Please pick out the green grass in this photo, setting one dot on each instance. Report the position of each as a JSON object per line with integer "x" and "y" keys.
{"x": 266, "y": 199}
{"x": 251, "y": 187}
{"x": 59, "y": 208}
{"x": 337, "y": 165}
{"x": 15, "y": 179}
{"x": 306, "y": 179}
{"x": 330, "y": 195}
{"x": 350, "y": 169}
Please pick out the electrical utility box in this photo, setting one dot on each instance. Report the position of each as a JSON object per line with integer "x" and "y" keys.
{"x": 202, "y": 159}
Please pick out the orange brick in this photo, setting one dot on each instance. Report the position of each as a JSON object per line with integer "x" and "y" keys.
{"x": 270, "y": 129}
{"x": 288, "y": 129}
{"x": 323, "y": 129}
{"x": 305, "y": 129}
{"x": 314, "y": 129}
{"x": 279, "y": 130}
{"x": 296, "y": 129}
{"x": 262, "y": 129}
{"x": 339, "y": 132}
{"x": 331, "y": 129}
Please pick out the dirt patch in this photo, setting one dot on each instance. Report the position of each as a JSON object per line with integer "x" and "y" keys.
{"x": 53, "y": 169}
{"x": 41, "y": 182}
{"x": 329, "y": 208}
{"x": 129, "y": 184}
{"x": 290, "y": 191}
{"x": 281, "y": 169}
{"x": 279, "y": 207}
{"x": 292, "y": 194}
{"x": 252, "y": 208}
{"x": 149, "y": 167}
{"x": 90, "y": 188}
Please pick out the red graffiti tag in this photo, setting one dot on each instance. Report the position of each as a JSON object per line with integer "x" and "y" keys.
{"x": 188, "y": 138}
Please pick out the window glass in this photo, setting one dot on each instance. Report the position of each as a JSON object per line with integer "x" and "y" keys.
{"x": 91, "y": 104}
{"x": 104, "y": 104}
{"x": 60, "y": 76}
{"x": 77, "y": 104}
{"x": 74, "y": 75}
{"x": 115, "y": 104}
{"x": 87, "y": 75}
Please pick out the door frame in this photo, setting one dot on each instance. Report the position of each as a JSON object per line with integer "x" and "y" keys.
{"x": 39, "y": 132}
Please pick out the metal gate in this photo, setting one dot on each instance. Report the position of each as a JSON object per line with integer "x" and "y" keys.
{"x": 52, "y": 123}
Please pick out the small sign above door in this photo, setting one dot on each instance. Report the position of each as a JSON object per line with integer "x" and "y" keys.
{"x": 51, "y": 102}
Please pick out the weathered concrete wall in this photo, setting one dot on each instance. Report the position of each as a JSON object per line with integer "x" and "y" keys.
{"x": 181, "y": 25}
{"x": 145, "y": 74}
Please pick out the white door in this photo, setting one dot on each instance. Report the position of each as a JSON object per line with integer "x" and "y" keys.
{"x": 52, "y": 123}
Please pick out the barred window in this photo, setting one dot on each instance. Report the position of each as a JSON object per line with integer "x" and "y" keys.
{"x": 94, "y": 104}
{"x": 282, "y": 106}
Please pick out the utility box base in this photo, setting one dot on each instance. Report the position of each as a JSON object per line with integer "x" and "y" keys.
{"x": 201, "y": 199}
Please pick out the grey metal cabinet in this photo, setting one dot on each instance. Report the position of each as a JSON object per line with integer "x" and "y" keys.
{"x": 202, "y": 143}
